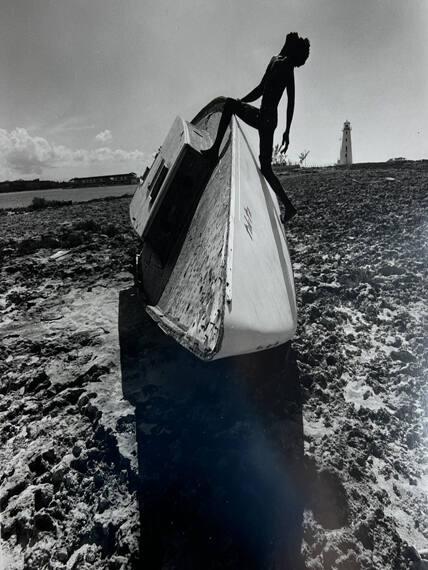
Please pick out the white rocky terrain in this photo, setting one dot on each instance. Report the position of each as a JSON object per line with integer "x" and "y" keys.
{"x": 69, "y": 473}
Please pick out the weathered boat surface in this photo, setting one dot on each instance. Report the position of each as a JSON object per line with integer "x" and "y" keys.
{"x": 191, "y": 308}
{"x": 231, "y": 290}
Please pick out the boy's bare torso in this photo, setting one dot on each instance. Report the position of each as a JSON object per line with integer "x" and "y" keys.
{"x": 279, "y": 74}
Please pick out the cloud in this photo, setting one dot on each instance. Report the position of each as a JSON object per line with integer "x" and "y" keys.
{"x": 76, "y": 123}
{"x": 24, "y": 154}
{"x": 104, "y": 136}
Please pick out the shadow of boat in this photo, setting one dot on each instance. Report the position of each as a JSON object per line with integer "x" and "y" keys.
{"x": 220, "y": 448}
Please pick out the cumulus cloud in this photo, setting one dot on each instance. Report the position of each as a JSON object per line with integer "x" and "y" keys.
{"x": 24, "y": 154}
{"x": 104, "y": 136}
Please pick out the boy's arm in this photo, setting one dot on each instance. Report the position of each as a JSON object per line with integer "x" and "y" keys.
{"x": 290, "y": 112}
{"x": 257, "y": 91}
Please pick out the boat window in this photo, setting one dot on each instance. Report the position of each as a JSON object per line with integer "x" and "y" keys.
{"x": 145, "y": 174}
{"x": 157, "y": 181}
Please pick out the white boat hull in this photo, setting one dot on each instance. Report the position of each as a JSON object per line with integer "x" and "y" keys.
{"x": 228, "y": 289}
{"x": 260, "y": 310}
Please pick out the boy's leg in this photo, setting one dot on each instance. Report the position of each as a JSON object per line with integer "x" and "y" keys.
{"x": 276, "y": 185}
{"x": 266, "y": 133}
{"x": 247, "y": 113}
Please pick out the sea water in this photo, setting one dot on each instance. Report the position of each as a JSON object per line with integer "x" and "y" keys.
{"x": 25, "y": 197}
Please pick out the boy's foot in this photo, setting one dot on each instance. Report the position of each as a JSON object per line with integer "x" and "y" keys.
{"x": 288, "y": 214}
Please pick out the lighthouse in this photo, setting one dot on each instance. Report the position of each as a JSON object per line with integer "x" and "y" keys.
{"x": 346, "y": 148}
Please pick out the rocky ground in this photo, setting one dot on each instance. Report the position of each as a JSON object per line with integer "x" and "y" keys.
{"x": 68, "y": 458}
{"x": 359, "y": 253}
{"x": 68, "y": 474}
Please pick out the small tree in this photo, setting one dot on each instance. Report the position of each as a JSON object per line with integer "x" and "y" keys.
{"x": 278, "y": 157}
{"x": 302, "y": 157}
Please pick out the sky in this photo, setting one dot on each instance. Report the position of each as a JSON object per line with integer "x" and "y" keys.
{"x": 91, "y": 87}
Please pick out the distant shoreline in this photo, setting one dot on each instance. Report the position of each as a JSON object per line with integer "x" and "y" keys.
{"x": 63, "y": 186}
{"x": 56, "y": 204}
{"x": 24, "y": 199}
{"x": 123, "y": 179}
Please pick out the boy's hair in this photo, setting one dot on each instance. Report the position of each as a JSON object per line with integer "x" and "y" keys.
{"x": 292, "y": 36}
{"x": 296, "y": 48}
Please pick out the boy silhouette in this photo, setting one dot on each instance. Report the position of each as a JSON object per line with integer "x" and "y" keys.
{"x": 279, "y": 75}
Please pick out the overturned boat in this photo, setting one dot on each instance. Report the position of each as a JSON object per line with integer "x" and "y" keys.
{"x": 214, "y": 266}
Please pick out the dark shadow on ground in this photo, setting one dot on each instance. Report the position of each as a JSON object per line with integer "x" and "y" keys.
{"x": 220, "y": 449}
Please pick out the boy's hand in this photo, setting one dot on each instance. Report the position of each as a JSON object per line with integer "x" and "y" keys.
{"x": 285, "y": 142}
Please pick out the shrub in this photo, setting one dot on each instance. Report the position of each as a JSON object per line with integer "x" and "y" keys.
{"x": 38, "y": 203}
{"x": 41, "y": 203}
